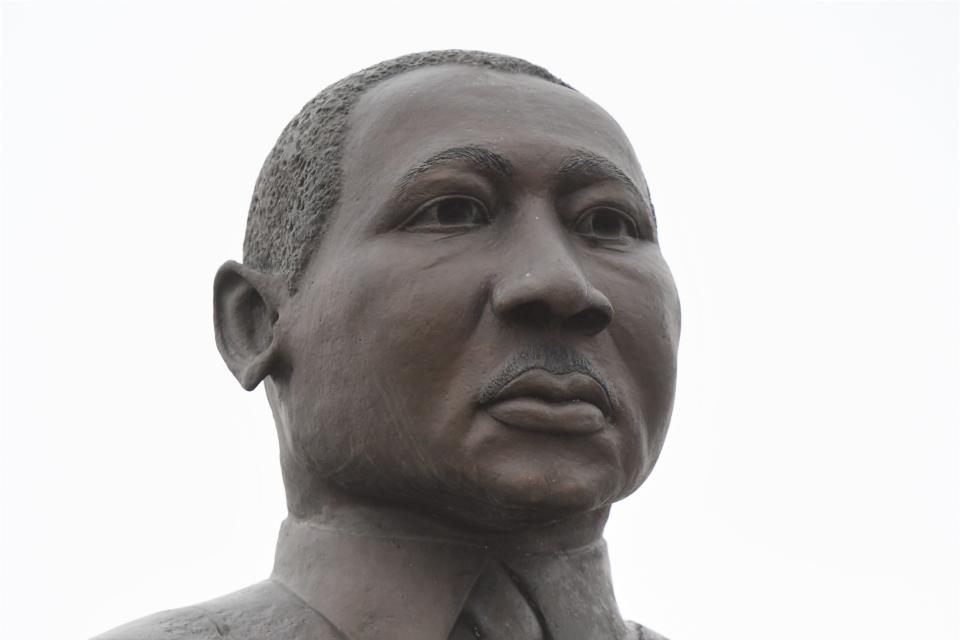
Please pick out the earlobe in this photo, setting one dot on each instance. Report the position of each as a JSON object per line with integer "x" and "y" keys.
{"x": 246, "y": 306}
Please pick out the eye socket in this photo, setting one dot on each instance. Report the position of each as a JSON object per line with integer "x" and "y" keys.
{"x": 448, "y": 213}
{"x": 606, "y": 223}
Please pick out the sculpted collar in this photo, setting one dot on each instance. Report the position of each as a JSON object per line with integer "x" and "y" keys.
{"x": 372, "y": 585}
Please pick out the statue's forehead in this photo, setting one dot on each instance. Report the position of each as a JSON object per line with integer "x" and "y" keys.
{"x": 421, "y": 112}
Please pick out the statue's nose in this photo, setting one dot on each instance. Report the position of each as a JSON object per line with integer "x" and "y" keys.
{"x": 544, "y": 287}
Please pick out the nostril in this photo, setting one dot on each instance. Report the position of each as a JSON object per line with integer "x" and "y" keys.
{"x": 531, "y": 314}
{"x": 589, "y": 321}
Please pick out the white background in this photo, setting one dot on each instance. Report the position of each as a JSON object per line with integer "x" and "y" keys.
{"x": 803, "y": 159}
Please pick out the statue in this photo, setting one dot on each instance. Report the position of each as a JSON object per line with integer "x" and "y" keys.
{"x": 453, "y": 293}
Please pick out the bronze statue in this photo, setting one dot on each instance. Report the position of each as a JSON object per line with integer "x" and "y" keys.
{"x": 453, "y": 292}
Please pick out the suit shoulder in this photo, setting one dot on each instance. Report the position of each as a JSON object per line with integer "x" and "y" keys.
{"x": 640, "y": 632}
{"x": 264, "y": 611}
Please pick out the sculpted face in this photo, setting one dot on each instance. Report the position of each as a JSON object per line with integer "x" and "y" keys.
{"x": 488, "y": 331}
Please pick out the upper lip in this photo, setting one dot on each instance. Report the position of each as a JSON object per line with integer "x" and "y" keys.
{"x": 568, "y": 387}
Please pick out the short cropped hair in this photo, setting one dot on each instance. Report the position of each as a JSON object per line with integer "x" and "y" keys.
{"x": 299, "y": 184}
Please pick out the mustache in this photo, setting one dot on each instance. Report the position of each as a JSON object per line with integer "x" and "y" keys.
{"x": 558, "y": 359}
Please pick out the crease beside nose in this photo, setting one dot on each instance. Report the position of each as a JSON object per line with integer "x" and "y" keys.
{"x": 552, "y": 295}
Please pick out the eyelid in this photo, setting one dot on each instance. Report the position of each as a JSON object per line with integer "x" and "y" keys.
{"x": 635, "y": 225}
{"x": 440, "y": 182}
{"x": 611, "y": 194}
{"x": 411, "y": 219}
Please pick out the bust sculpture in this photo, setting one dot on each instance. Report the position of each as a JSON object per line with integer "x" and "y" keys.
{"x": 453, "y": 293}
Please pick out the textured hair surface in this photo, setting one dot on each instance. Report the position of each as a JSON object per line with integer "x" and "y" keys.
{"x": 299, "y": 184}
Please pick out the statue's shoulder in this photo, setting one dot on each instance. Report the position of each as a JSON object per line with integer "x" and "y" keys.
{"x": 264, "y": 611}
{"x": 640, "y": 632}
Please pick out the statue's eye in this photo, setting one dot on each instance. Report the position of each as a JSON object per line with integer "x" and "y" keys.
{"x": 606, "y": 223}
{"x": 449, "y": 213}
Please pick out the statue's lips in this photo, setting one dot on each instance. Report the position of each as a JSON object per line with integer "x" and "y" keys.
{"x": 571, "y": 404}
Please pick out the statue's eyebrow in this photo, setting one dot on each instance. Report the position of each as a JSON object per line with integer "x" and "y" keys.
{"x": 583, "y": 167}
{"x": 487, "y": 162}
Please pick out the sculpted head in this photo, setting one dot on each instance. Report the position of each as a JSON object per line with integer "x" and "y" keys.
{"x": 453, "y": 291}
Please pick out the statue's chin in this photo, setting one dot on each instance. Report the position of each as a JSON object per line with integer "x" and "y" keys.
{"x": 505, "y": 495}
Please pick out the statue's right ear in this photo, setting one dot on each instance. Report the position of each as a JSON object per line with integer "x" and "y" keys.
{"x": 246, "y": 307}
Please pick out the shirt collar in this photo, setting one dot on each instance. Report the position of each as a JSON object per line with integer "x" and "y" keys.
{"x": 374, "y": 585}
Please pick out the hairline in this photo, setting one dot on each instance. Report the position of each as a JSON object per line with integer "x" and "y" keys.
{"x": 298, "y": 191}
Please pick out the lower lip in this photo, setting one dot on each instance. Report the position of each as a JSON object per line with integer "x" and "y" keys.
{"x": 558, "y": 418}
